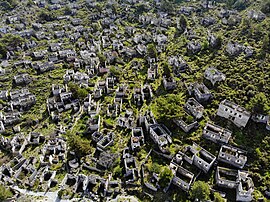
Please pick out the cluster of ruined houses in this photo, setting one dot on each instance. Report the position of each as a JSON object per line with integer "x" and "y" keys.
{"x": 36, "y": 172}
{"x": 45, "y": 59}
{"x": 18, "y": 102}
{"x": 115, "y": 43}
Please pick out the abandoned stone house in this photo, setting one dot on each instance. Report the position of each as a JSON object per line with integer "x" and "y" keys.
{"x": 137, "y": 138}
{"x": 39, "y": 55}
{"x": 105, "y": 141}
{"x": 131, "y": 167}
{"x": 150, "y": 178}
{"x": 22, "y": 99}
{"x": 232, "y": 156}
{"x": 233, "y": 112}
{"x": 138, "y": 97}
{"x": 10, "y": 118}
{"x": 90, "y": 106}
{"x": 182, "y": 178}
{"x": 110, "y": 84}
{"x": 79, "y": 78}
{"x": 54, "y": 151}
{"x": 213, "y": 75}
{"x": 57, "y": 90}
{"x": 161, "y": 136}
{"x": 2, "y": 127}
{"x": 178, "y": 63}
{"x": 147, "y": 92}
{"x": 152, "y": 73}
{"x": 199, "y": 157}
{"x": 169, "y": 83}
{"x": 4, "y": 95}
{"x": 235, "y": 49}
{"x": 235, "y": 179}
{"x": 260, "y": 118}
{"x": 216, "y": 133}
{"x": 114, "y": 109}
{"x": 194, "y": 47}
{"x": 22, "y": 79}
{"x": 245, "y": 187}
{"x": 194, "y": 108}
{"x": 200, "y": 91}
{"x": 94, "y": 123}
{"x": 126, "y": 120}
{"x": 226, "y": 178}
{"x": 43, "y": 67}
{"x": 186, "y": 123}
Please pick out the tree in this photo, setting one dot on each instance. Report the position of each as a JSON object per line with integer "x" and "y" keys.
{"x": 78, "y": 144}
{"x": 218, "y": 43}
{"x": 77, "y": 92}
{"x": 169, "y": 107}
{"x": 183, "y": 22}
{"x": 200, "y": 190}
{"x": 82, "y": 93}
{"x": 152, "y": 51}
{"x": 115, "y": 71}
{"x": 165, "y": 175}
{"x": 155, "y": 168}
{"x": 67, "y": 10}
{"x": 9, "y": 41}
{"x": 265, "y": 8}
{"x": 47, "y": 16}
{"x": 141, "y": 8}
{"x": 4, "y": 193}
{"x": 117, "y": 171}
{"x": 259, "y": 104}
{"x": 102, "y": 58}
{"x": 266, "y": 43}
{"x": 167, "y": 6}
{"x": 166, "y": 69}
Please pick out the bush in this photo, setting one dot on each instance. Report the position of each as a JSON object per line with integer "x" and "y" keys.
{"x": 117, "y": 171}
{"x": 218, "y": 198}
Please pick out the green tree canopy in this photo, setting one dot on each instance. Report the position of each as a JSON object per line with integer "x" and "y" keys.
{"x": 167, "y": 6}
{"x": 152, "y": 51}
{"x": 9, "y": 41}
{"x": 77, "y": 92}
{"x": 259, "y": 104}
{"x": 45, "y": 15}
{"x": 5, "y": 193}
{"x": 169, "y": 106}
{"x": 165, "y": 176}
{"x": 78, "y": 144}
{"x": 200, "y": 190}
{"x": 265, "y": 8}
